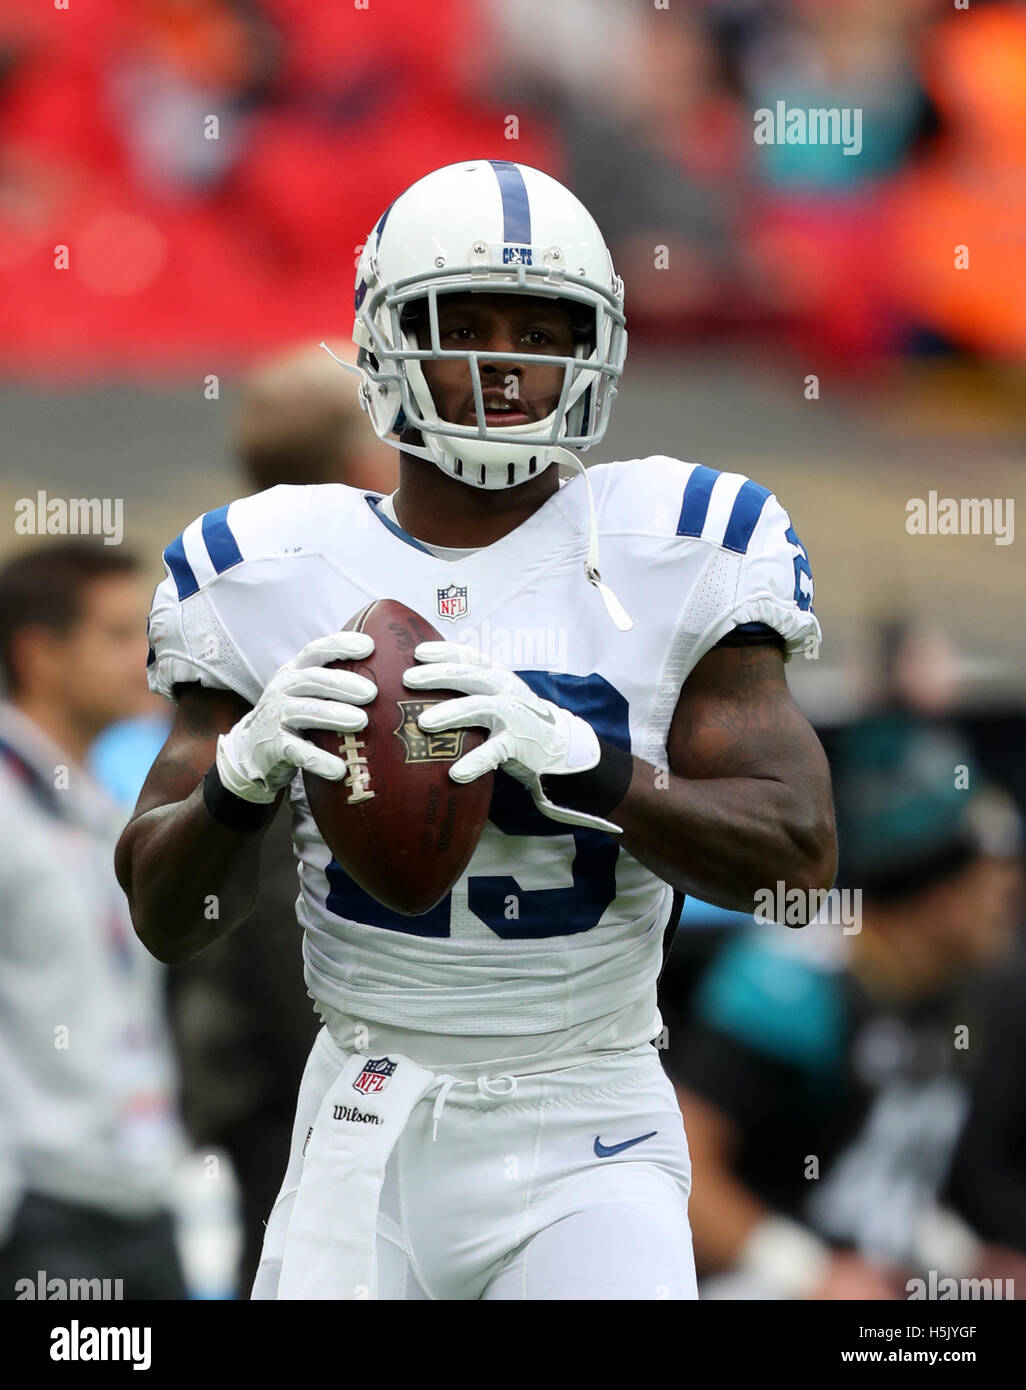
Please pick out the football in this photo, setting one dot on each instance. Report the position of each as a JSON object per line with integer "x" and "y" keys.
{"x": 397, "y": 823}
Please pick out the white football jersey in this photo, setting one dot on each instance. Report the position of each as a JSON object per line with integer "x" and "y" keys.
{"x": 551, "y": 930}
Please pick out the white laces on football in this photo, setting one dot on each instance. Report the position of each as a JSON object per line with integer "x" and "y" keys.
{"x": 613, "y": 606}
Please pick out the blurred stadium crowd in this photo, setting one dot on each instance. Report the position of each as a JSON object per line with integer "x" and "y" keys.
{"x": 855, "y": 1102}
{"x": 215, "y": 164}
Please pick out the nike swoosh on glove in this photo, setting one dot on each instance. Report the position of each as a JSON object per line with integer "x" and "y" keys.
{"x": 531, "y": 737}
{"x": 260, "y": 754}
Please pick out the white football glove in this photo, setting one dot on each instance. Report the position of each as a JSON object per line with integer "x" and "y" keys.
{"x": 260, "y": 754}
{"x": 531, "y": 737}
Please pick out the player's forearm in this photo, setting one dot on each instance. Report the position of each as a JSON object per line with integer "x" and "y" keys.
{"x": 724, "y": 839}
{"x": 189, "y": 878}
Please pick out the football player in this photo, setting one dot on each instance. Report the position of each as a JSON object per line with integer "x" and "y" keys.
{"x": 484, "y": 1114}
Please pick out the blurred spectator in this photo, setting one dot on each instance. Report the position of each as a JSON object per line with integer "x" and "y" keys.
{"x": 859, "y": 56}
{"x": 816, "y": 219}
{"x": 123, "y": 754}
{"x": 655, "y": 142}
{"x": 969, "y": 193}
{"x": 86, "y": 1071}
{"x": 824, "y": 1077}
{"x": 210, "y": 167}
{"x": 298, "y": 421}
{"x": 243, "y": 1019}
{"x": 988, "y": 1173}
{"x": 922, "y": 673}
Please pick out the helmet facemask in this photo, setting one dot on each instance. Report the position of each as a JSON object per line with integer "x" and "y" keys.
{"x": 483, "y": 455}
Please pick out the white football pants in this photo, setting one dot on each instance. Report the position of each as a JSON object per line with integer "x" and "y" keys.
{"x": 533, "y": 1187}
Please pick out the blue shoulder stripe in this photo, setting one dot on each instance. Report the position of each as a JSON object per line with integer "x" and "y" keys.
{"x": 185, "y": 580}
{"x": 220, "y": 543}
{"x": 747, "y": 509}
{"x": 697, "y": 492}
{"x": 516, "y": 209}
{"x": 221, "y": 547}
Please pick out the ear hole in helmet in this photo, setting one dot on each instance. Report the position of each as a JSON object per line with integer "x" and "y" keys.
{"x": 413, "y": 320}
{"x": 582, "y": 324}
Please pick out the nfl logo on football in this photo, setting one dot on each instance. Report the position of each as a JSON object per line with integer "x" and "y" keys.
{"x": 374, "y": 1076}
{"x": 452, "y": 602}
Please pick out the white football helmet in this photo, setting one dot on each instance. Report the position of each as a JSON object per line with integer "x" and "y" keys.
{"x": 494, "y": 226}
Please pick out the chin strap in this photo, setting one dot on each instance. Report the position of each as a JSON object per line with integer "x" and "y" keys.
{"x": 617, "y": 613}
{"x": 346, "y": 366}
{"x": 392, "y": 443}
{"x": 614, "y": 607}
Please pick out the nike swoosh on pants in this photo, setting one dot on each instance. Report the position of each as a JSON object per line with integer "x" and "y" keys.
{"x": 604, "y": 1151}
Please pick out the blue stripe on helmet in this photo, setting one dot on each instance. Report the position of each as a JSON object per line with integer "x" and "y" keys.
{"x": 747, "y": 509}
{"x": 516, "y": 210}
{"x": 181, "y": 571}
{"x": 218, "y": 538}
{"x": 383, "y": 219}
{"x": 697, "y": 492}
{"x": 361, "y": 289}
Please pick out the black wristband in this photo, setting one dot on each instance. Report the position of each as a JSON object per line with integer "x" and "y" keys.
{"x": 598, "y": 791}
{"x": 231, "y": 810}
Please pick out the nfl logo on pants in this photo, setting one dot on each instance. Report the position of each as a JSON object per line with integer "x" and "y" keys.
{"x": 374, "y": 1076}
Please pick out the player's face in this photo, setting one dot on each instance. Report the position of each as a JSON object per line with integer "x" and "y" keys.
{"x": 991, "y": 909}
{"x": 104, "y": 654}
{"x": 978, "y": 909}
{"x": 514, "y": 393}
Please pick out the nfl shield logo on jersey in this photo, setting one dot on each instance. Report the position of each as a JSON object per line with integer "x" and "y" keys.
{"x": 452, "y": 602}
{"x": 374, "y": 1076}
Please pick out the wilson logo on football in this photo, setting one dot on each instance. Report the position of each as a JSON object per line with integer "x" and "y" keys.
{"x": 426, "y": 748}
